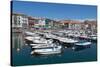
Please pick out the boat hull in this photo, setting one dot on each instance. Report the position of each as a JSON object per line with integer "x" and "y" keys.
{"x": 50, "y": 52}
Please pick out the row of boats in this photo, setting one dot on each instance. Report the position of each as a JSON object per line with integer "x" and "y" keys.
{"x": 50, "y": 43}
{"x": 77, "y": 34}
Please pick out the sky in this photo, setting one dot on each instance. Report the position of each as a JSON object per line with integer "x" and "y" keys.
{"x": 55, "y": 10}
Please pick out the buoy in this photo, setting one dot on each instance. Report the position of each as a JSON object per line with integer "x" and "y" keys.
{"x": 73, "y": 48}
{"x": 65, "y": 47}
{"x": 18, "y": 49}
{"x": 32, "y": 52}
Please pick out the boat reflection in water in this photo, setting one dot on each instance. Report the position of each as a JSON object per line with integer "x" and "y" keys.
{"x": 80, "y": 48}
{"x": 17, "y": 41}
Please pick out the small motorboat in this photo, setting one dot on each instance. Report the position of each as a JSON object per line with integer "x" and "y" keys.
{"x": 67, "y": 40}
{"x": 42, "y": 45}
{"x": 93, "y": 37}
{"x": 48, "y": 50}
{"x": 42, "y": 41}
{"x": 48, "y": 43}
{"x": 81, "y": 45}
{"x": 37, "y": 40}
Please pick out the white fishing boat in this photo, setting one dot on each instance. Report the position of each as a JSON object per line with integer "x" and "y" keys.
{"x": 48, "y": 50}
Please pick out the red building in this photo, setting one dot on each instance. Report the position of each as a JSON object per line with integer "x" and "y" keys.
{"x": 31, "y": 22}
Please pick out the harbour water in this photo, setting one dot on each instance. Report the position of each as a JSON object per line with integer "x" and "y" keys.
{"x": 21, "y": 54}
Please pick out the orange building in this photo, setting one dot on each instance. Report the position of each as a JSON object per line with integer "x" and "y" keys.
{"x": 71, "y": 24}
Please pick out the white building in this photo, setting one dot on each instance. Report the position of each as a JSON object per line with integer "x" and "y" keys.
{"x": 42, "y": 22}
{"x": 19, "y": 20}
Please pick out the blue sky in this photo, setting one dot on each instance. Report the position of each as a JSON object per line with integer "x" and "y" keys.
{"x": 55, "y": 11}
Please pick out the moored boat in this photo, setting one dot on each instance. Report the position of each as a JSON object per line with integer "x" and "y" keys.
{"x": 48, "y": 43}
{"x": 93, "y": 38}
{"x": 48, "y": 50}
{"x": 67, "y": 40}
{"x": 30, "y": 33}
{"x": 81, "y": 45}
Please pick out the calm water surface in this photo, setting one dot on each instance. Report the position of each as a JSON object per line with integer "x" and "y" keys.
{"x": 23, "y": 56}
